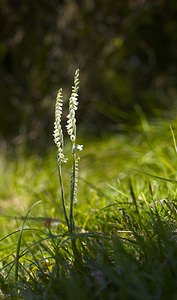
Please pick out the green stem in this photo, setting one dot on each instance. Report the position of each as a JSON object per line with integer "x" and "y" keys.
{"x": 77, "y": 256}
{"x": 72, "y": 188}
{"x": 63, "y": 196}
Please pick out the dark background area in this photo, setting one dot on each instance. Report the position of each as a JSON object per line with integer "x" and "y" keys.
{"x": 126, "y": 52}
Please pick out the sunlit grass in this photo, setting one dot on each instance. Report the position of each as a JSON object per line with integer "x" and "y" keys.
{"x": 125, "y": 220}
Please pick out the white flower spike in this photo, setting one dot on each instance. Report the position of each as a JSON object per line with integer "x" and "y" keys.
{"x": 73, "y": 104}
{"x": 58, "y": 133}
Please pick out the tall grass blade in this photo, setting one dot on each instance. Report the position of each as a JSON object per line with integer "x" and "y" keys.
{"x": 20, "y": 240}
{"x": 156, "y": 176}
{"x": 174, "y": 139}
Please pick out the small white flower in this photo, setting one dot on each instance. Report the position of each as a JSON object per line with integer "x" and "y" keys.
{"x": 79, "y": 147}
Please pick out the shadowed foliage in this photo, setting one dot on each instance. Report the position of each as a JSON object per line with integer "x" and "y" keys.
{"x": 126, "y": 52}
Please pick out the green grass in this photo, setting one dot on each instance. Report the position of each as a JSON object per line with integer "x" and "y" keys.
{"x": 125, "y": 221}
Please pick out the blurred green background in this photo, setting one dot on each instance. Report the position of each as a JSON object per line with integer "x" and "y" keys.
{"x": 126, "y": 52}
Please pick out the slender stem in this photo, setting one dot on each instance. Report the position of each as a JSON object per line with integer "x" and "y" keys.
{"x": 72, "y": 189}
{"x": 62, "y": 195}
{"x": 77, "y": 257}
